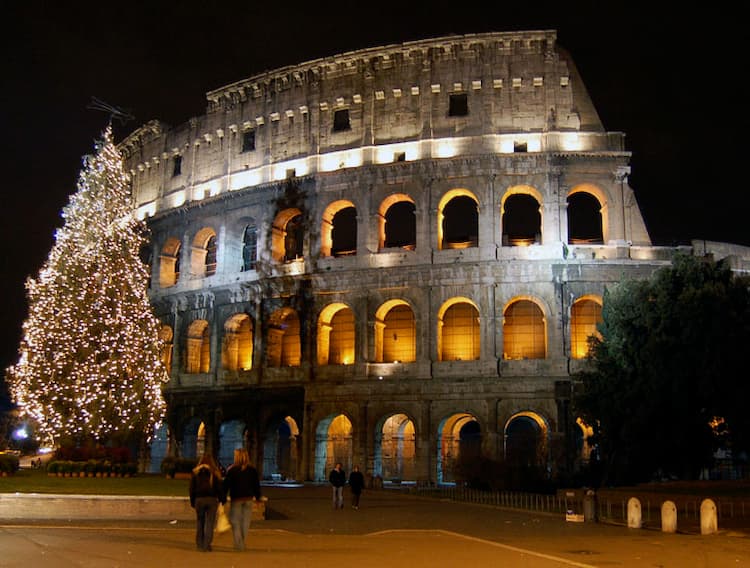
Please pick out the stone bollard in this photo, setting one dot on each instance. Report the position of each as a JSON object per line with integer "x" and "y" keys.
{"x": 634, "y": 513}
{"x": 709, "y": 522}
{"x": 668, "y": 517}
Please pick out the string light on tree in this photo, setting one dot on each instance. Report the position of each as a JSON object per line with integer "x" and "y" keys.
{"x": 89, "y": 366}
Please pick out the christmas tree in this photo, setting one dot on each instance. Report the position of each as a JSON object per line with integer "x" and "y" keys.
{"x": 89, "y": 368}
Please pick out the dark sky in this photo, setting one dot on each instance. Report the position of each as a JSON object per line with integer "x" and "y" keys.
{"x": 671, "y": 79}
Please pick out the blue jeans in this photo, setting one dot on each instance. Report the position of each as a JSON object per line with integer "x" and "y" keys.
{"x": 338, "y": 497}
{"x": 205, "y": 510}
{"x": 240, "y": 515}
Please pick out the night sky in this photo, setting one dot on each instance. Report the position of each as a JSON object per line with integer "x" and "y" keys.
{"x": 671, "y": 79}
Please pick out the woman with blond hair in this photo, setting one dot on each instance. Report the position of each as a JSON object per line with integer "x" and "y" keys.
{"x": 243, "y": 487}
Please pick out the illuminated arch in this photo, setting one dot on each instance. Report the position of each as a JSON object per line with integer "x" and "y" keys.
{"x": 287, "y": 235}
{"x": 524, "y": 329}
{"x": 231, "y": 437}
{"x": 458, "y": 331}
{"x": 395, "y": 333}
{"x": 521, "y": 216}
{"x": 333, "y": 444}
{"x": 203, "y": 254}
{"x": 198, "y": 358}
{"x": 459, "y": 440}
{"x": 397, "y": 222}
{"x": 338, "y": 230}
{"x": 237, "y": 348}
{"x": 453, "y": 232}
{"x": 283, "y": 347}
{"x": 395, "y": 448}
{"x": 249, "y": 246}
{"x": 587, "y": 219}
{"x": 336, "y": 335}
{"x": 169, "y": 263}
{"x": 281, "y": 449}
{"x": 526, "y": 436}
{"x": 585, "y": 314}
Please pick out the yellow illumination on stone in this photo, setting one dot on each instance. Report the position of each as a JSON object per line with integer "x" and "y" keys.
{"x": 571, "y": 141}
{"x": 445, "y": 148}
{"x": 338, "y": 160}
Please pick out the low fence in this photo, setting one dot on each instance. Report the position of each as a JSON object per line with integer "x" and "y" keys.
{"x": 611, "y": 507}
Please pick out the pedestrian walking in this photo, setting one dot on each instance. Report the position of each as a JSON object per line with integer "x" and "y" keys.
{"x": 356, "y": 484}
{"x": 205, "y": 495}
{"x": 242, "y": 484}
{"x": 338, "y": 480}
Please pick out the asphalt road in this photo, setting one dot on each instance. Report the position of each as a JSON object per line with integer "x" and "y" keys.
{"x": 389, "y": 529}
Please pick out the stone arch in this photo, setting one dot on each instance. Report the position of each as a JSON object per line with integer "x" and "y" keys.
{"x": 166, "y": 335}
{"x": 281, "y": 449}
{"x": 338, "y": 230}
{"x": 521, "y": 216}
{"x": 397, "y": 222}
{"x": 169, "y": 263}
{"x": 459, "y": 440}
{"x": 193, "y": 438}
{"x": 526, "y": 440}
{"x": 231, "y": 437}
{"x": 283, "y": 346}
{"x": 524, "y": 329}
{"x": 203, "y": 254}
{"x": 458, "y": 220}
{"x": 458, "y": 333}
{"x": 287, "y": 236}
{"x": 198, "y": 356}
{"x": 395, "y": 448}
{"x": 585, "y": 315}
{"x": 588, "y": 213}
{"x": 333, "y": 444}
{"x": 249, "y": 246}
{"x": 336, "y": 335}
{"x": 395, "y": 333}
{"x": 237, "y": 348}
{"x": 160, "y": 447}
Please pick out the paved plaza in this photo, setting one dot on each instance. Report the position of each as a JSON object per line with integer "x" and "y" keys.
{"x": 389, "y": 529}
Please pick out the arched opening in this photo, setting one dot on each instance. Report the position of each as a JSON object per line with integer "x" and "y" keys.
{"x": 169, "y": 263}
{"x": 231, "y": 437}
{"x": 459, "y": 444}
{"x": 584, "y": 219}
{"x": 395, "y": 333}
{"x": 287, "y": 236}
{"x": 395, "y": 449}
{"x": 336, "y": 335}
{"x": 458, "y": 220}
{"x": 398, "y": 223}
{"x": 524, "y": 331}
{"x": 159, "y": 448}
{"x": 458, "y": 331}
{"x": 194, "y": 439}
{"x": 585, "y": 315}
{"x": 204, "y": 251}
{"x": 338, "y": 231}
{"x": 198, "y": 358}
{"x": 237, "y": 350}
{"x": 521, "y": 220}
{"x": 526, "y": 442}
{"x": 166, "y": 337}
{"x": 333, "y": 444}
{"x": 249, "y": 247}
{"x": 281, "y": 450}
{"x": 283, "y": 346}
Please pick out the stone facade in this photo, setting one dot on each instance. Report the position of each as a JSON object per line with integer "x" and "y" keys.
{"x": 459, "y": 195}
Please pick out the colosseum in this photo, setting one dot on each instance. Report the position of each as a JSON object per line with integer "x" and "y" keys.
{"x": 391, "y": 257}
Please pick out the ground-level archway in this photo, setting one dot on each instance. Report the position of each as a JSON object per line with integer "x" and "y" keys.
{"x": 333, "y": 444}
{"x": 459, "y": 440}
{"x": 281, "y": 450}
{"x": 231, "y": 437}
{"x": 526, "y": 436}
{"x": 395, "y": 449}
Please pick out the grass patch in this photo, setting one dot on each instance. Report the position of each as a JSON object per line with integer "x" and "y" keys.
{"x": 37, "y": 481}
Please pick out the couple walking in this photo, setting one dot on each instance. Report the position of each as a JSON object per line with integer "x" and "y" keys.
{"x": 337, "y": 479}
{"x": 207, "y": 489}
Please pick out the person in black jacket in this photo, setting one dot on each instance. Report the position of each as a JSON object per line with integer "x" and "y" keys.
{"x": 338, "y": 480}
{"x": 205, "y": 495}
{"x": 242, "y": 484}
{"x": 356, "y": 484}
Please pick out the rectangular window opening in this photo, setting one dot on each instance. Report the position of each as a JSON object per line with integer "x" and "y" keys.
{"x": 399, "y": 157}
{"x": 176, "y": 166}
{"x": 520, "y": 147}
{"x": 458, "y": 105}
{"x": 341, "y": 120}
{"x": 248, "y": 141}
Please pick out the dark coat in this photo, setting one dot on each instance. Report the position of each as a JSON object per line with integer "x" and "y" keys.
{"x": 242, "y": 484}
{"x": 205, "y": 483}
{"x": 356, "y": 482}
{"x": 337, "y": 478}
